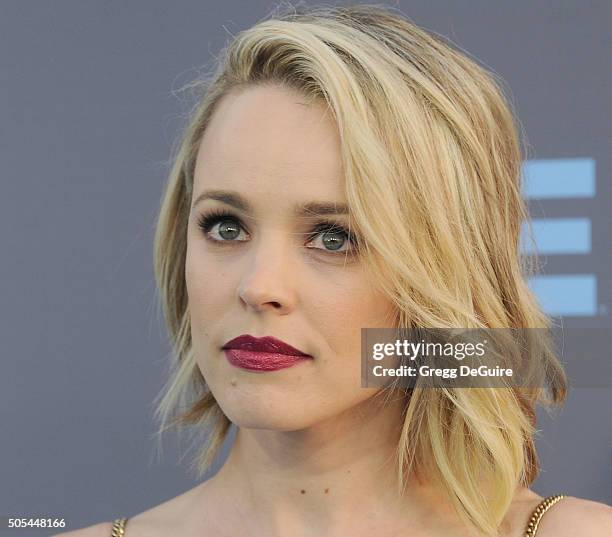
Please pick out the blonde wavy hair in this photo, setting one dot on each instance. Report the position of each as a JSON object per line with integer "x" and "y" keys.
{"x": 430, "y": 143}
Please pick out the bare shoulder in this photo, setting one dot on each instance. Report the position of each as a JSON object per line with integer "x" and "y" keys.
{"x": 167, "y": 518}
{"x": 577, "y": 516}
{"x": 102, "y": 529}
{"x": 568, "y": 517}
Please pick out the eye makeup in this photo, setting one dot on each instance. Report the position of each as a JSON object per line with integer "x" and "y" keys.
{"x": 325, "y": 227}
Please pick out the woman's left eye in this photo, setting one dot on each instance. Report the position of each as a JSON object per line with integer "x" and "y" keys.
{"x": 334, "y": 238}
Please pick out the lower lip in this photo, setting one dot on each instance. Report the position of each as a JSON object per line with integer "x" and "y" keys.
{"x": 262, "y": 361}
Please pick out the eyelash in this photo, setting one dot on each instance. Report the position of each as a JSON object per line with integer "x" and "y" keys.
{"x": 206, "y": 222}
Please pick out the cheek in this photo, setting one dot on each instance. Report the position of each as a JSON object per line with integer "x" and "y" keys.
{"x": 207, "y": 287}
{"x": 208, "y": 290}
{"x": 347, "y": 309}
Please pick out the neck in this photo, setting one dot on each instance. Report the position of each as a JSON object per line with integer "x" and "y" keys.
{"x": 322, "y": 477}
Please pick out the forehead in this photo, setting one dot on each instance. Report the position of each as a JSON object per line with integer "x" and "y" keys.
{"x": 267, "y": 139}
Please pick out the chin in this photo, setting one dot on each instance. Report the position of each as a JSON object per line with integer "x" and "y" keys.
{"x": 269, "y": 423}
{"x": 265, "y": 407}
{"x": 284, "y": 418}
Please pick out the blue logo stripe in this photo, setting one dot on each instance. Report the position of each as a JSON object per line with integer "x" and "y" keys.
{"x": 557, "y": 236}
{"x": 566, "y": 295}
{"x": 559, "y": 178}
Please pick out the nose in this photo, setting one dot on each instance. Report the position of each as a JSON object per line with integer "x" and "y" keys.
{"x": 265, "y": 283}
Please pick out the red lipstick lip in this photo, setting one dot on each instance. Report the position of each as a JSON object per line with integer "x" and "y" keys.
{"x": 267, "y": 344}
{"x": 262, "y": 354}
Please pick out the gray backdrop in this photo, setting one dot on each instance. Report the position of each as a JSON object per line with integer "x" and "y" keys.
{"x": 87, "y": 117}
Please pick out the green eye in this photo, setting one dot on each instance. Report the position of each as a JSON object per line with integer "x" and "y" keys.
{"x": 334, "y": 237}
{"x": 229, "y": 226}
{"x": 333, "y": 240}
{"x": 228, "y": 229}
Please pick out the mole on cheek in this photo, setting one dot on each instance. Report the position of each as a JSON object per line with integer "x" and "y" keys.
{"x": 326, "y": 491}
{"x": 302, "y": 491}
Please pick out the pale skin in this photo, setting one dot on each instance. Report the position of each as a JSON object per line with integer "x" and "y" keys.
{"x": 314, "y": 451}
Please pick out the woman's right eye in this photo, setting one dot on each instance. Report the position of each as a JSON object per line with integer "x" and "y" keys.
{"x": 227, "y": 230}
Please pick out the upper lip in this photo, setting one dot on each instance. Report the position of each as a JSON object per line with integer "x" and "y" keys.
{"x": 263, "y": 344}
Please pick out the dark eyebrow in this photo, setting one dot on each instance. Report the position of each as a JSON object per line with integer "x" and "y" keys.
{"x": 311, "y": 208}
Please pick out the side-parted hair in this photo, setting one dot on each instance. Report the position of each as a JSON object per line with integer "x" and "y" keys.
{"x": 431, "y": 150}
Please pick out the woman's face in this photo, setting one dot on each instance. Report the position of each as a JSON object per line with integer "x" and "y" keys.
{"x": 268, "y": 269}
